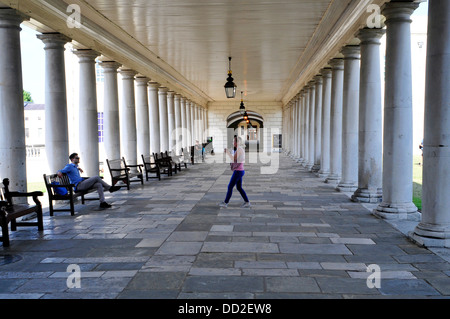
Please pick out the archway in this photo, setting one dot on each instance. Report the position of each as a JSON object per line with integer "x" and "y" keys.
{"x": 251, "y": 133}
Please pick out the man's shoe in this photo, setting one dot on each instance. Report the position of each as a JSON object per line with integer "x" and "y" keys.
{"x": 113, "y": 189}
{"x": 223, "y": 204}
{"x": 246, "y": 205}
{"x": 105, "y": 205}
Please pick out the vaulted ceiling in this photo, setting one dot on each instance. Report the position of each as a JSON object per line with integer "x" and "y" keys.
{"x": 276, "y": 45}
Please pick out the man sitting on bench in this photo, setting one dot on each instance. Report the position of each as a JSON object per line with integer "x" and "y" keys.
{"x": 83, "y": 184}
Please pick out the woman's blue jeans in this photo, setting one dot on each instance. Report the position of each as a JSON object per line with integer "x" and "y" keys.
{"x": 236, "y": 180}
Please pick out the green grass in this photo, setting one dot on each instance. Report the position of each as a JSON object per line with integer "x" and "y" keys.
{"x": 36, "y": 186}
{"x": 417, "y": 181}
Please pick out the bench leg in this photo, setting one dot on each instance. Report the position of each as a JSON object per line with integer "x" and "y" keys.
{"x": 5, "y": 233}
{"x": 13, "y": 225}
{"x": 72, "y": 207}
{"x": 50, "y": 204}
{"x": 40, "y": 219}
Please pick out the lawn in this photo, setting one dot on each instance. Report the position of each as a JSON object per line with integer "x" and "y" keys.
{"x": 417, "y": 181}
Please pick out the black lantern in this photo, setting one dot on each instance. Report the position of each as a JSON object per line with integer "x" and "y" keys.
{"x": 242, "y": 106}
{"x": 230, "y": 87}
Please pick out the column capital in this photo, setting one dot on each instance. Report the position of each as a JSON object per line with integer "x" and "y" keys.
{"x": 182, "y": 99}
{"x": 337, "y": 63}
{"x": 318, "y": 79}
{"x": 153, "y": 86}
{"x": 11, "y": 18}
{"x": 86, "y": 55}
{"x": 109, "y": 66}
{"x": 163, "y": 90}
{"x": 312, "y": 84}
{"x": 177, "y": 96}
{"x": 141, "y": 80}
{"x": 53, "y": 40}
{"x": 127, "y": 74}
{"x": 170, "y": 94}
{"x": 326, "y": 72}
{"x": 351, "y": 52}
{"x": 370, "y": 36}
{"x": 399, "y": 11}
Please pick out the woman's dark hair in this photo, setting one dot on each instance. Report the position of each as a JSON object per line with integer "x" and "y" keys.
{"x": 72, "y": 156}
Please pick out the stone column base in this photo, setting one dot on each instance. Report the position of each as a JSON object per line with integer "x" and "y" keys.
{"x": 430, "y": 235}
{"x": 406, "y": 211}
{"x": 347, "y": 187}
{"x": 323, "y": 174}
{"x": 365, "y": 195}
{"x": 333, "y": 179}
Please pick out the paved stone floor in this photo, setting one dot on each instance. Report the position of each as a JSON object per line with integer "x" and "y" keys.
{"x": 169, "y": 239}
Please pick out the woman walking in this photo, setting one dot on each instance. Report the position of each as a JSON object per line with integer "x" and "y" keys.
{"x": 237, "y": 166}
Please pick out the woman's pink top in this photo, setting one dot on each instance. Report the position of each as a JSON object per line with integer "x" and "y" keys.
{"x": 240, "y": 160}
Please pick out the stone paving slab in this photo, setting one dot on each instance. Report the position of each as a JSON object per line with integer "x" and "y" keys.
{"x": 169, "y": 239}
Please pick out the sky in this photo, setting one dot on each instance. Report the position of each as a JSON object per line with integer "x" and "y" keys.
{"x": 33, "y": 60}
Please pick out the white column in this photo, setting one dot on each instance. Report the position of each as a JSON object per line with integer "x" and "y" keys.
{"x": 192, "y": 128}
{"x": 318, "y": 123}
{"x": 337, "y": 84}
{"x": 12, "y": 127}
{"x": 163, "y": 119}
{"x": 171, "y": 120}
{"x": 88, "y": 114}
{"x": 178, "y": 124}
{"x": 142, "y": 115}
{"x": 350, "y": 118}
{"x": 295, "y": 131}
{"x": 297, "y": 105}
{"x": 195, "y": 128}
{"x": 397, "y": 138}
{"x": 301, "y": 126}
{"x": 188, "y": 126}
{"x": 127, "y": 109}
{"x": 56, "y": 123}
{"x": 305, "y": 119}
{"x": 111, "y": 126}
{"x": 183, "y": 122}
{"x": 155, "y": 143}
{"x": 434, "y": 229}
{"x": 326, "y": 124}
{"x": 370, "y": 121}
{"x": 311, "y": 120}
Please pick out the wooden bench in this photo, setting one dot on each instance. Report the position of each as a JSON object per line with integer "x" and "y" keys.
{"x": 151, "y": 167}
{"x": 177, "y": 160}
{"x": 52, "y": 182}
{"x": 121, "y": 171}
{"x": 164, "y": 164}
{"x": 10, "y": 211}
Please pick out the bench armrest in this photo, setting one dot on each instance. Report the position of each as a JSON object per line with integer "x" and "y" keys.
{"x": 20, "y": 194}
{"x": 138, "y": 165}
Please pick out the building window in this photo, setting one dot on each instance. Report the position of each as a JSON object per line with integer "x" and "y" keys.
{"x": 100, "y": 126}
{"x": 99, "y": 74}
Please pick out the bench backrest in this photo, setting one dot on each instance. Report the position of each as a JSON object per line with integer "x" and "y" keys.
{"x": 116, "y": 164}
{"x": 148, "y": 161}
{"x": 3, "y": 191}
{"x": 54, "y": 178}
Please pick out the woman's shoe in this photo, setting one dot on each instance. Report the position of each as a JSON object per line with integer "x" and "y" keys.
{"x": 223, "y": 204}
{"x": 246, "y": 205}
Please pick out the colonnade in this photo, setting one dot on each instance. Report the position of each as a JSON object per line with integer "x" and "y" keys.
{"x": 149, "y": 118}
{"x": 357, "y": 151}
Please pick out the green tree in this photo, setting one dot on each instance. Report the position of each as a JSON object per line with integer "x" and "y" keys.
{"x": 27, "y": 96}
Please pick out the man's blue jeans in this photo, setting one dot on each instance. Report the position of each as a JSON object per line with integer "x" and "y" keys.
{"x": 236, "y": 180}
